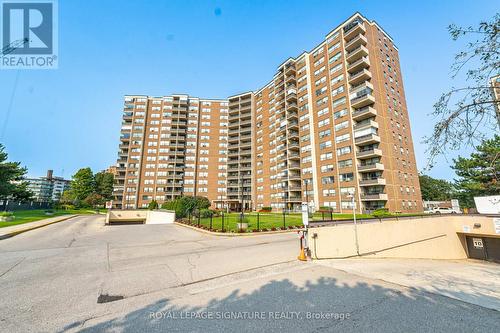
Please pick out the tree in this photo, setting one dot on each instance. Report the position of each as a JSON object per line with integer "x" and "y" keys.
{"x": 83, "y": 184}
{"x": 480, "y": 173}
{"x": 104, "y": 184}
{"x": 468, "y": 113}
{"x": 67, "y": 198}
{"x": 94, "y": 200}
{"x": 153, "y": 205}
{"x": 436, "y": 189}
{"x": 12, "y": 184}
{"x": 186, "y": 205}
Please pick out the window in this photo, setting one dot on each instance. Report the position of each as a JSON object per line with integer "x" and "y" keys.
{"x": 343, "y": 150}
{"x": 342, "y": 138}
{"x": 346, "y": 177}
{"x": 341, "y": 125}
{"x": 327, "y": 180}
{"x": 340, "y": 114}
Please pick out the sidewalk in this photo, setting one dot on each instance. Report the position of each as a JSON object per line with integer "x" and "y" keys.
{"x": 14, "y": 230}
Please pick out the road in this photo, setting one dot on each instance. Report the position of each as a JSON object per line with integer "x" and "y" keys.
{"x": 80, "y": 275}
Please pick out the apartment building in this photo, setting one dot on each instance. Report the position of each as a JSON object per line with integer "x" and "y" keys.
{"x": 48, "y": 188}
{"x": 330, "y": 128}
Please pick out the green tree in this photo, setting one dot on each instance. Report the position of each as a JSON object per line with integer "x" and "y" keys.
{"x": 436, "y": 189}
{"x": 469, "y": 113}
{"x": 83, "y": 184}
{"x": 104, "y": 184}
{"x": 12, "y": 184}
{"x": 186, "y": 205}
{"x": 479, "y": 174}
{"x": 153, "y": 205}
{"x": 94, "y": 200}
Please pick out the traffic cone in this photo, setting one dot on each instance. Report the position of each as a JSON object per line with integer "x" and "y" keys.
{"x": 302, "y": 255}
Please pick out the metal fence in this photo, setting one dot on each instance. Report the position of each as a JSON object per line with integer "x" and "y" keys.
{"x": 9, "y": 205}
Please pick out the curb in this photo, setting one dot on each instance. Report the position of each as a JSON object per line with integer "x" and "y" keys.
{"x": 15, "y": 233}
{"x": 236, "y": 234}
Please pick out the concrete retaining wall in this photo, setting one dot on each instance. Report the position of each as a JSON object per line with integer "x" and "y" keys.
{"x": 432, "y": 238}
{"x": 144, "y": 216}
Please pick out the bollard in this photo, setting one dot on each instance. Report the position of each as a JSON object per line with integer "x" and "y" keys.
{"x": 258, "y": 221}
{"x": 284, "y": 220}
{"x": 210, "y": 222}
{"x": 222, "y": 222}
{"x": 198, "y": 220}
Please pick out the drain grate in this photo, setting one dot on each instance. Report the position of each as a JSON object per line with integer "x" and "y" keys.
{"x": 105, "y": 298}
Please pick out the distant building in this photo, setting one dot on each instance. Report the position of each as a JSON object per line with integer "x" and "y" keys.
{"x": 48, "y": 188}
{"x": 430, "y": 205}
{"x": 111, "y": 169}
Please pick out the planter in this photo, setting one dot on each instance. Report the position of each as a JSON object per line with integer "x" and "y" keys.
{"x": 6, "y": 218}
{"x": 242, "y": 226}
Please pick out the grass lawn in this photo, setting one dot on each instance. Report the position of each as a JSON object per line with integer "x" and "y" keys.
{"x": 25, "y": 216}
{"x": 273, "y": 220}
{"x": 269, "y": 220}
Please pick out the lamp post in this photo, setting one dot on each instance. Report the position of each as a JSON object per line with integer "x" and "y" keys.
{"x": 353, "y": 201}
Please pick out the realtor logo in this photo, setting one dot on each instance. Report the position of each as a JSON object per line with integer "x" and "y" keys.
{"x": 28, "y": 34}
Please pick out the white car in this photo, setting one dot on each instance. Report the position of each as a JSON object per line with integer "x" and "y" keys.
{"x": 442, "y": 210}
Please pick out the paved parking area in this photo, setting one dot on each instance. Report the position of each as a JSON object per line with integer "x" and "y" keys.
{"x": 79, "y": 275}
{"x": 472, "y": 281}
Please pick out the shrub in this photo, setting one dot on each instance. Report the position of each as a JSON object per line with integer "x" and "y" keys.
{"x": 325, "y": 208}
{"x": 186, "y": 205}
{"x": 266, "y": 209}
{"x": 6, "y": 214}
{"x": 203, "y": 213}
{"x": 381, "y": 212}
{"x": 153, "y": 205}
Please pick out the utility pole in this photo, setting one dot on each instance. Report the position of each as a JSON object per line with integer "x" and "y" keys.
{"x": 242, "y": 199}
{"x": 353, "y": 201}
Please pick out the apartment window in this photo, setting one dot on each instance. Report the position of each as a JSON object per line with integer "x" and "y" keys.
{"x": 343, "y": 150}
{"x": 327, "y": 168}
{"x": 341, "y": 125}
{"x": 340, "y": 113}
{"x": 326, "y": 144}
{"x": 342, "y": 138}
{"x": 326, "y": 156}
{"x": 335, "y": 57}
{"x": 327, "y": 180}
{"x": 346, "y": 177}
{"x": 324, "y": 122}
{"x": 339, "y": 101}
{"x": 345, "y": 163}
{"x": 323, "y": 111}
{"x": 337, "y": 79}
{"x": 324, "y": 133}
{"x": 329, "y": 193}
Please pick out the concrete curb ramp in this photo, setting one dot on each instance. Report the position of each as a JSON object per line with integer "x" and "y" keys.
{"x": 20, "y": 228}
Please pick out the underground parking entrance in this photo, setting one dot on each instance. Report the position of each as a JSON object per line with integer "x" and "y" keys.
{"x": 483, "y": 248}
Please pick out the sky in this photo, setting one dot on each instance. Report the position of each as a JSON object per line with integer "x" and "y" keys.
{"x": 69, "y": 118}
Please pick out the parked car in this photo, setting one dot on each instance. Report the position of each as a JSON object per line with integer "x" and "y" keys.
{"x": 442, "y": 210}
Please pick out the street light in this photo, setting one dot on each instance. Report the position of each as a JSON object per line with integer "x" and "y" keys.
{"x": 352, "y": 196}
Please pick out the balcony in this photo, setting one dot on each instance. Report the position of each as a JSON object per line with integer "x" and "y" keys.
{"x": 294, "y": 177}
{"x": 355, "y": 54}
{"x": 355, "y": 42}
{"x": 371, "y": 167}
{"x": 369, "y": 153}
{"x": 374, "y": 197}
{"x": 360, "y": 76}
{"x": 364, "y": 113}
{"x": 366, "y": 123}
{"x": 357, "y": 65}
{"x": 372, "y": 182}
{"x": 294, "y": 188}
{"x": 292, "y": 115}
{"x": 367, "y": 139}
{"x": 294, "y": 166}
{"x": 362, "y": 101}
{"x": 353, "y": 28}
